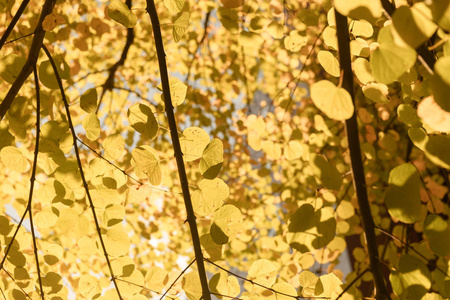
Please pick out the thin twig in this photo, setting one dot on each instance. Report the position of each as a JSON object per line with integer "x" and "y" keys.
{"x": 352, "y": 283}
{"x": 80, "y": 166}
{"x": 33, "y": 178}
{"x": 33, "y": 55}
{"x": 151, "y": 10}
{"x": 176, "y": 279}
{"x": 260, "y": 285}
{"x": 13, "y": 22}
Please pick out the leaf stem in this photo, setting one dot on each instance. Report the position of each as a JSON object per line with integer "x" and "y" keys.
{"x": 151, "y": 10}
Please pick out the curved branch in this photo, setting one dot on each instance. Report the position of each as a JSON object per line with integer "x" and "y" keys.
{"x": 151, "y": 10}
{"x": 13, "y": 22}
{"x": 357, "y": 167}
{"x": 77, "y": 154}
{"x": 109, "y": 82}
{"x": 33, "y": 178}
{"x": 36, "y": 44}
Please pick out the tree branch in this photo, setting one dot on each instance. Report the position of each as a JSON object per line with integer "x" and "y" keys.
{"x": 13, "y": 22}
{"x": 151, "y": 10}
{"x": 33, "y": 179}
{"x": 357, "y": 167}
{"x": 36, "y": 44}
{"x": 109, "y": 82}
{"x": 80, "y": 167}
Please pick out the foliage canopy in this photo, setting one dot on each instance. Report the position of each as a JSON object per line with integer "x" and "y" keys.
{"x": 272, "y": 137}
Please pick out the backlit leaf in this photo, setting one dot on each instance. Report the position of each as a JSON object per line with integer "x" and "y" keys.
{"x": 359, "y": 9}
{"x": 227, "y": 223}
{"x": 146, "y": 160}
{"x": 412, "y": 25}
{"x": 334, "y": 101}
{"x": 412, "y": 278}
{"x": 263, "y": 271}
{"x": 91, "y": 124}
{"x": 329, "y": 63}
{"x": 117, "y": 241}
{"x": 440, "y": 83}
{"x": 437, "y": 231}
{"x": 212, "y": 159}
{"x": 210, "y": 196}
{"x": 156, "y": 279}
{"x": 310, "y": 229}
{"x": 326, "y": 173}
{"x": 389, "y": 61}
{"x": 403, "y": 196}
{"x": 179, "y": 28}
{"x": 174, "y": 6}
{"x": 114, "y": 146}
{"x": 141, "y": 118}
{"x": 193, "y": 142}
{"x": 10, "y": 67}
{"x": 13, "y": 159}
{"x": 88, "y": 101}
{"x": 51, "y": 21}
{"x": 191, "y": 286}
{"x": 119, "y": 12}
{"x": 222, "y": 284}
{"x": 308, "y": 281}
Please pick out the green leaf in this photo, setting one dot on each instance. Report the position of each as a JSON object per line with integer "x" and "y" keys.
{"x": 440, "y": 82}
{"x": 227, "y": 223}
{"x": 377, "y": 92}
{"x": 329, "y": 63}
{"x": 146, "y": 160}
{"x": 193, "y": 141}
{"x": 412, "y": 279}
{"x": 222, "y": 284}
{"x": 361, "y": 28}
{"x": 326, "y": 173}
{"x": 403, "y": 196}
{"x": 435, "y": 146}
{"x": 389, "y": 61}
{"x": 119, "y": 12}
{"x": 408, "y": 115}
{"x": 361, "y": 68}
{"x": 88, "y": 101}
{"x": 191, "y": 286}
{"x": 114, "y": 146}
{"x": 10, "y": 67}
{"x": 309, "y": 230}
{"x": 412, "y": 26}
{"x": 359, "y": 9}
{"x": 180, "y": 26}
{"x": 91, "y": 124}
{"x": 330, "y": 37}
{"x": 212, "y": 159}
{"x": 141, "y": 118}
{"x": 174, "y": 6}
{"x": 210, "y": 196}
{"x": 437, "y": 232}
{"x": 13, "y": 159}
{"x": 440, "y": 10}
{"x": 334, "y": 101}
